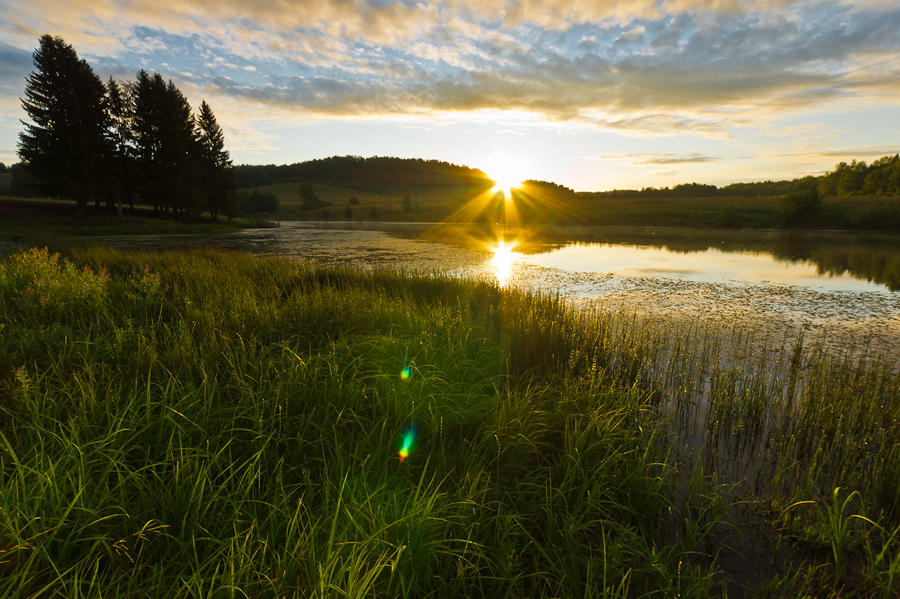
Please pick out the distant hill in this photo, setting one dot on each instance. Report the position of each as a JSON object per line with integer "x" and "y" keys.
{"x": 375, "y": 174}
{"x": 384, "y": 174}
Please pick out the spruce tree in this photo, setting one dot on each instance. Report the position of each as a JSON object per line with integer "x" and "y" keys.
{"x": 167, "y": 151}
{"x": 215, "y": 165}
{"x": 63, "y": 145}
{"x": 119, "y": 111}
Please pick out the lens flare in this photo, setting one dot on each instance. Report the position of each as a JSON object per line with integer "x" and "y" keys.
{"x": 405, "y": 374}
{"x": 407, "y": 441}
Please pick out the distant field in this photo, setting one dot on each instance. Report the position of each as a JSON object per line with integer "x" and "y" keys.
{"x": 532, "y": 205}
{"x": 371, "y": 206}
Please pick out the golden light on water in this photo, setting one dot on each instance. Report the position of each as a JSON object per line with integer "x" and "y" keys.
{"x": 503, "y": 260}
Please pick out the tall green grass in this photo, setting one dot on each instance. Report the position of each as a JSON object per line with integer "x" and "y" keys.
{"x": 214, "y": 424}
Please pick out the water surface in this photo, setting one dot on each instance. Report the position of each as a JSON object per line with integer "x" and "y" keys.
{"x": 818, "y": 282}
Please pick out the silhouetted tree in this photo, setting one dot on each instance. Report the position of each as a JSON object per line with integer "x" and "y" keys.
{"x": 21, "y": 182}
{"x": 257, "y": 201}
{"x": 166, "y": 147}
{"x": 3, "y": 168}
{"x": 215, "y": 164}
{"x": 120, "y": 149}
{"x": 801, "y": 207}
{"x": 308, "y": 197}
{"x": 63, "y": 144}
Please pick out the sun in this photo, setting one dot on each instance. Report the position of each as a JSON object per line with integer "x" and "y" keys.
{"x": 505, "y": 172}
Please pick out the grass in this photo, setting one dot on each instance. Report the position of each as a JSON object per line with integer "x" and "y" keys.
{"x": 34, "y": 222}
{"x": 428, "y": 206}
{"x": 538, "y": 206}
{"x": 864, "y": 213}
{"x": 215, "y": 424}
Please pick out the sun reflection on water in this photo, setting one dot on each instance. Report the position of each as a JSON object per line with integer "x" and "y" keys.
{"x": 503, "y": 260}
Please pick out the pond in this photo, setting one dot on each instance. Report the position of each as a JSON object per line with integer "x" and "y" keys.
{"x": 825, "y": 283}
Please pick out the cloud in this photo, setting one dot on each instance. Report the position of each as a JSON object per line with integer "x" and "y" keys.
{"x": 636, "y": 66}
{"x": 15, "y": 64}
{"x": 658, "y": 159}
{"x": 853, "y": 153}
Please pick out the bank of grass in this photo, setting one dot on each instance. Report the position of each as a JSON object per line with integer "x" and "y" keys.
{"x": 35, "y": 222}
{"x": 215, "y": 424}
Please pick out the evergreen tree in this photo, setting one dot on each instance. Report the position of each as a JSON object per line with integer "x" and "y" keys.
{"x": 120, "y": 151}
{"x": 166, "y": 147}
{"x": 145, "y": 126}
{"x": 63, "y": 145}
{"x": 216, "y": 179}
{"x": 308, "y": 197}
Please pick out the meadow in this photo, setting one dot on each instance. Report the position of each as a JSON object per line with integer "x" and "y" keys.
{"x": 215, "y": 424}
{"x": 58, "y": 224}
{"x": 539, "y": 206}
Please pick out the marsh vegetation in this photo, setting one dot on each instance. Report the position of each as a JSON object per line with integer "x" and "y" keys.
{"x": 212, "y": 423}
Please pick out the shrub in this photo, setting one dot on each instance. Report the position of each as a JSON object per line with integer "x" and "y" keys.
{"x": 257, "y": 202}
{"x": 38, "y": 284}
{"x": 801, "y": 207}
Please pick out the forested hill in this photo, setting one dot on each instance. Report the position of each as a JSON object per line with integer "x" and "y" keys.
{"x": 381, "y": 173}
{"x": 371, "y": 174}
{"x": 880, "y": 178}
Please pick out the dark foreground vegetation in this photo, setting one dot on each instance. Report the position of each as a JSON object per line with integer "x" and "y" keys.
{"x": 213, "y": 424}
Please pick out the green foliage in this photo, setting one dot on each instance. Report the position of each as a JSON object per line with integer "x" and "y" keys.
{"x": 377, "y": 174}
{"x": 87, "y": 140}
{"x": 166, "y": 147}
{"x": 37, "y": 286}
{"x": 308, "y": 198}
{"x": 881, "y": 178}
{"x": 217, "y": 423}
{"x": 119, "y": 144}
{"x": 801, "y": 208}
{"x": 215, "y": 165}
{"x": 257, "y": 202}
{"x": 63, "y": 144}
{"x": 22, "y": 182}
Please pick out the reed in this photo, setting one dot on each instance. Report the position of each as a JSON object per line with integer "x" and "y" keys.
{"x": 211, "y": 423}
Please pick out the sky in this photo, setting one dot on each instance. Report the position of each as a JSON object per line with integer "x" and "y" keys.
{"x": 591, "y": 94}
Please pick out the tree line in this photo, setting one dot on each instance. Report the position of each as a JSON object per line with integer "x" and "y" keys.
{"x": 377, "y": 173}
{"x": 118, "y": 143}
{"x": 881, "y": 178}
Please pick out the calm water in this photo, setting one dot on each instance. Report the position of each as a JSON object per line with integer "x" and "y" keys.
{"x": 814, "y": 281}
{"x": 709, "y": 265}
